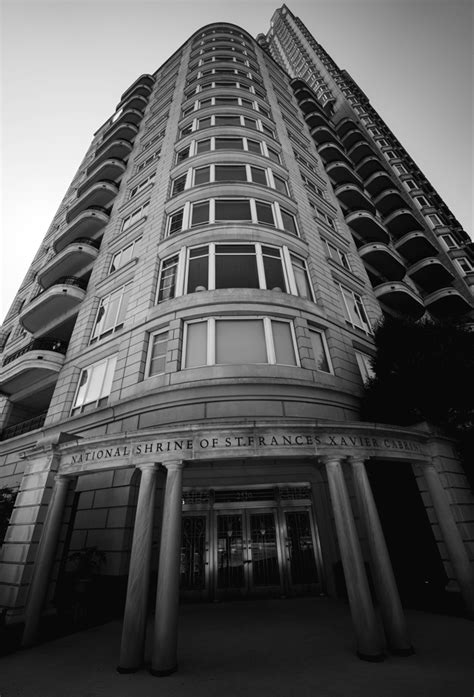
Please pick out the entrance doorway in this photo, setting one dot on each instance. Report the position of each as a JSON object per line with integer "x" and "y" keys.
{"x": 248, "y": 543}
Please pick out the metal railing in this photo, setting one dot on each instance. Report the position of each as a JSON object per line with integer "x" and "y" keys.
{"x": 23, "y": 427}
{"x": 44, "y": 344}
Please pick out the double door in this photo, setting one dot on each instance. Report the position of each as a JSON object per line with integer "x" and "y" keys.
{"x": 249, "y": 551}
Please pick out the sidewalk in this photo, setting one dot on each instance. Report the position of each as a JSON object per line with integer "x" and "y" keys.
{"x": 275, "y": 648}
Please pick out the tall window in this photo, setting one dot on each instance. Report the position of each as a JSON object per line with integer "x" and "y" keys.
{"x": 365, "y": 366}
{"x": 123, "y": 256}
{"x": 320, "y": 351}
{"x": 167, "y": 282}
{"x": 354, "y": 310}
{"x": 134, "y": 217}
{"x": 111, "y": 313}
{"x": 95, "y": 384}
{"x": 156, "y": 361}
{"x": 242, "y": 340}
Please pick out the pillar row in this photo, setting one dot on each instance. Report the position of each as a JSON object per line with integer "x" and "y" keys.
{"x": 384, "y": 580}
{"x": 368, "y": 639}
{"x": 165, "y": 639}
{"x": 451, "y": 536}
{"x": 45, "y": 559}
{"x": 134, "y": 623}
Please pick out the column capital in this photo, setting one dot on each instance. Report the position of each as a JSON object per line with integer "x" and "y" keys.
{"x": 331, "y": 459}
{"x": 173, "y": 465}
{"x": 147, "y": 467}
{"x": 61, "y": 478}
{"x": 357, "y": 460}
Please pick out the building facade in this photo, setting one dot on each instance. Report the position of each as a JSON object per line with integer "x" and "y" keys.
{"x": 183, "y": 364}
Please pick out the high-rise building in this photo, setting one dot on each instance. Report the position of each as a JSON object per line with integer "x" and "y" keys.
{"x": 183, "y": 364}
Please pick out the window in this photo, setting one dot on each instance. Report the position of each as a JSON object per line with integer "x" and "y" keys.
{"x": 365, "y": 366}
{"x": 354, "y": 310}
{"x": 95, "y": 383}
{"x": 149, "y": 160}
{"x": 167, "y": 282}
{"x": 175, "y": 222}
{"x": 449, "y": 241}
{"x": 123, "y": 256}
{"x": 134, "y": 217}
{"x": 320, "y": 351}
{"x": 400, "y": 169}
{"x": 234, "y": 265}
{"x": 280, "y": 184}
{"x": 434, "y": 219}
{"x": 178, "y": 185}
{"x": 111, "y": 313}
{"x": 232, "y": 209}
{"x": 239, "y": 341}
{"x": 142, "y": 185}
{"x": 465, "y": 264}
{"x": 323, "y": 216}
{"x": 422, "y": 201}
{"x": 338, "y": 255}
{"x": 156, "y": 361}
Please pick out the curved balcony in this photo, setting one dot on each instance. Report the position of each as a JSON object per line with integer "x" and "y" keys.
{"x": 447, "y": 302}
{"x": 401, "y": 221}
{"x": 89, "y": 224}
{"x": 367, "y": 227}
{"x": 54, "y": 304}
{"x": 389, "y": 200}
{"x": 368, "y": 166}
{"x": 307, "y": 104}
{"x": 341, "y": 173}
{"x": 344, "y": 126}
{"x": 353, "y": 198}
{"x": 324, "y": 134}
{"x": 116, "y": 150}
{"x": 136, "y": 101}
{"x": 133, "y": 116}
{"x": 315, "y": 119}
{"x": 124, "y": 131}
{"x": 74, "y": 258}
{"x": 359, "y": 151}
{"x": 107, "y": 170}
{"x": 384, "y": 260}
{"x": 142, "y": 85}
{"x": 378, "y": 182}
{"x": 100, "y": 194}
{"x": 400, "y": 298}
{"x": 37, "y": 360}
{"x": 430, "y": 274}
{"x": 415, "y": 246}
{"x": 352, "y": 137}
{"x": 332, "y": 152}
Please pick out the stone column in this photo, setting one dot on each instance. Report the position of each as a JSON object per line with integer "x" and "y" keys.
{"x": 387, "y": 592}
{"x": 134, "y": 622}
{"x": 45, "y": 559}
{"x": 368, "y": 638}
{"x": 451, "y": 536}
{"x": 164, "y": 656}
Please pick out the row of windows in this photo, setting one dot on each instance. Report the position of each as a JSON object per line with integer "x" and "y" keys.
{"x": 225, "y": 101}
{"x": 226, "y": 120}
{"x": 229, "y": 173}
{"x": 226, "y": 84}
{"x": 197, "y": 147}
{"x": 224, "y": 57}
{"x": 231, "y": 210}
{"x": 234, "y": 265}
{"x": 215, "y": 341}
{"x": 224, "y": 71}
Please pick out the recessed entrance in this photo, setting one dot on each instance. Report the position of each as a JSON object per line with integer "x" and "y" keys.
{"x": 238, "y": 543}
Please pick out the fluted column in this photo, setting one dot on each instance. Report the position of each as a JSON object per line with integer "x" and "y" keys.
{"x": 165, "y": 639}
{"x": 387, "y": 592}
{"x": 134, "y": 622}
{"x": 451, "y": 536}
{"x": 45, "y": 559}
{"x": 368, "y": 638}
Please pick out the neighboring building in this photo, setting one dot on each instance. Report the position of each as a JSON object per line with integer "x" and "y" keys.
{"x": 192, "y": 340}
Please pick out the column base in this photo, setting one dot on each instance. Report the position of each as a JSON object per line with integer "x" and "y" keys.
{"x": 124, "y": 671}
{"x": 403, "y": 652}
{"x": 163, "y": 673}
{"x": 371, "y": 658}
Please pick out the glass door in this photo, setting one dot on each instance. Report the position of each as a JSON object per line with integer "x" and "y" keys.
{"x": 194, "y": 566}
{"x": 300, "y": 551}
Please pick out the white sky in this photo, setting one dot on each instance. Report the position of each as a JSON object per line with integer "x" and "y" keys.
{"x": 66, "y": 63}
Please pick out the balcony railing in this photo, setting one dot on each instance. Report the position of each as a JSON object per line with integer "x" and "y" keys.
{"x": 23, "y": 427}
{"x": 45, "y": 344}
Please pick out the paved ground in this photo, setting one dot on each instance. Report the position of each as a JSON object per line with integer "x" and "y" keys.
{"x": 278, "y": 648}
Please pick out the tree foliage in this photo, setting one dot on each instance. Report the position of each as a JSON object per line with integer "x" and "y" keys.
{"x": 424, "y": 371}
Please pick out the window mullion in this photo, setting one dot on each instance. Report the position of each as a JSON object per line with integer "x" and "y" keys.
{"x": 262, "y": 281}
{"x": 253, "y": 210}
{"x": 186, "y": 216}
{"x": 211, "y": 341}
{"x": 270, "y": 177}
{"x": 181, "y": 272}
{"x": 277, "y": 216}
{"x": 212, "y": 210}
{"x": 248, "y": 173}
{"x": 212, "y": 267}
{"x": 267, "y": 327}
